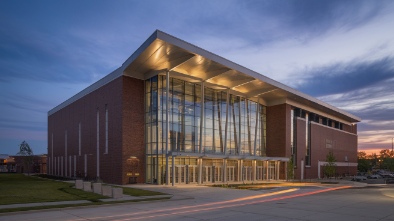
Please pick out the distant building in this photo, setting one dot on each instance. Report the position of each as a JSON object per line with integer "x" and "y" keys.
{"x": 7, "y": 164}
{"x": 38, "y": 164}
{"x": 174, "y": 113}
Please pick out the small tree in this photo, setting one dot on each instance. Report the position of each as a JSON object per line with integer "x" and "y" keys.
{"x": 27, "y": 153}
{"x": 290, "y": 169}
{"x": 330, "y": 167}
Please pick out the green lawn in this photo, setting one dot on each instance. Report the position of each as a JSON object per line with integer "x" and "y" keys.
{"x": 18, "y": 188}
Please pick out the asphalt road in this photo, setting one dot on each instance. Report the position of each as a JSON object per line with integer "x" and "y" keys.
{"x": 333, "y": 202}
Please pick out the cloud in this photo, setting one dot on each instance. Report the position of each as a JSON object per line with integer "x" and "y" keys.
{"x": 345, "y": 77}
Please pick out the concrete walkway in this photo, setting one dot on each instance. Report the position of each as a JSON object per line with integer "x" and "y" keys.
{"x": 124, "y": 198}
{"x": 179, "y": 192}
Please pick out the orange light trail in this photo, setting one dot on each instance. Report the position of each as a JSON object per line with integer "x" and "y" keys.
{"x": 206, "y": 204}
{"x": 243, "y": 204}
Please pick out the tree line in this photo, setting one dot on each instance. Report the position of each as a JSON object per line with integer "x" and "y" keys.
{"x": 368, "y": 162}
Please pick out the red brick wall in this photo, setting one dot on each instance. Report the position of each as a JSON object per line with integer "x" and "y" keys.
{"x": 301, "y": 146}
{"x": 133, "y": 127}
{"x": 278, "y": 131}
{"x": 84, "y": 111}
{"x": 344, "y": 144}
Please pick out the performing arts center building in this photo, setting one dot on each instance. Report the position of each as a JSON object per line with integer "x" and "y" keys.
{"x": 174, "y": 113}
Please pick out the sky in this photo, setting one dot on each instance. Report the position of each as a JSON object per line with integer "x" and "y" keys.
{"x": 340, "y": 51}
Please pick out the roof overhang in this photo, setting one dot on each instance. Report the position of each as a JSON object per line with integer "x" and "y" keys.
{"x": 162, "y": 52}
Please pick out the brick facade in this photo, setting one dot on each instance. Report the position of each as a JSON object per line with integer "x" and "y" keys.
{"x": 123, "y": 99}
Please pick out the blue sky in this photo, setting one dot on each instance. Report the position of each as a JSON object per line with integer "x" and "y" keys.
{"x": 338, "y": 51}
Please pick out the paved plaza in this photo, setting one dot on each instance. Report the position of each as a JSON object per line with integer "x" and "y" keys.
{"x": 320, "y": 202}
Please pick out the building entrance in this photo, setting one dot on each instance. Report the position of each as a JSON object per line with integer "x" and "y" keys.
{"x": 180, "y": 174}
{"x": 230, "y": 173}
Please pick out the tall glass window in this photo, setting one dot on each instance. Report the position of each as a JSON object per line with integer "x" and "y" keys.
{"x": 246, "y": 122}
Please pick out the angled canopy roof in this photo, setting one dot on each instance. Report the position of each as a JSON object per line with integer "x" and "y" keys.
{"x": 162, "y": 51}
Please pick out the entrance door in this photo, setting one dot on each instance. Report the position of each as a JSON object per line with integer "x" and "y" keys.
{"x": 230, "y": 173}
{"x": 271, "y": 171}
{"x": 247, "y": 173}
{"x": 193, "y": 175}
{"x": 180, "y": 171}
{"x": 180, "y": 174}
{"x": 218, "y": 174}
{"x": 207, "y": 174}
{"x": 259, "y": 173}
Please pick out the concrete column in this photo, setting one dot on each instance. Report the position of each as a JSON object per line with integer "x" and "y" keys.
{"x": 267, "y": 170}
{"x": 226, "y": 123}
{"x": 241, "y": 172}
{"x": 75, "y": 166}
{"x": 173, "y": 171}
{"x": 254, "y": 170}
{"x": 202, "y": 118}
{"x": 224, "y": 170}
{"x": 199, "y": 171}
{"x": 167, "y": 124}
{"x": 302, "y": 169}
{"x": 277, "y": 169}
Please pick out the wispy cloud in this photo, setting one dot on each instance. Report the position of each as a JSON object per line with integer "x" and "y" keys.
{"x": 345, "y": 77}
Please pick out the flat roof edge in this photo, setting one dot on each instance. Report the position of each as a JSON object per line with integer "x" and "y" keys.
{"x": 141, "y": 49}
{"x": 103, "y": 81}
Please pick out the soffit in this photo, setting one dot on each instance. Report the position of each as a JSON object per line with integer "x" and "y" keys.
{"x": 162, "y": 52}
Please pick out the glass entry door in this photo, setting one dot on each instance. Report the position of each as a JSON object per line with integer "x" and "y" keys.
{"x": 180, "y": 174}
{"x": 207, "y": 174}
{"x": 260, "y": 173}
{"x": 230, "y": 173}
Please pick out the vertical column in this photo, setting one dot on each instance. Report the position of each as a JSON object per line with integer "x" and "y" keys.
{"x": 226, "y": 123}
{"x": 79, "y": 139}
{"x": 65, "y": 153}
{"x": 224, "y": 170}
{"x": 256, "y": 126}
{"x": 106, "y": 128}
{"x": 199, "y": 162}
{"x": 267, "y": 170}
{"x": 254, "y": 170}
{"x": 173, "y": 171}
{"x": 86, "y": 165}
{"x": 202, "y": 120}
{"x": 302, "y": 169}
{"x": 75, "y": 165}
{"x": 239, "y": 126}
{"x": 167, "y": 125}
{"x": 307, "y": 139}
{"x": 241, "y": 171}
{"x": 69, "y": 166}
{"x": 98, "y": 145}
{"x": 277, "y": 169}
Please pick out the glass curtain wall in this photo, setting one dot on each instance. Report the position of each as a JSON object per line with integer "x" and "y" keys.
{"x": 246, "y": 130}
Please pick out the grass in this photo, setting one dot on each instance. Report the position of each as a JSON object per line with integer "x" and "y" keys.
{"x": 18, "y": 188}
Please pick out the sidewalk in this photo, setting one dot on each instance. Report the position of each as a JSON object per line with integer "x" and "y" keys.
{"x": 124, "y": 198}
